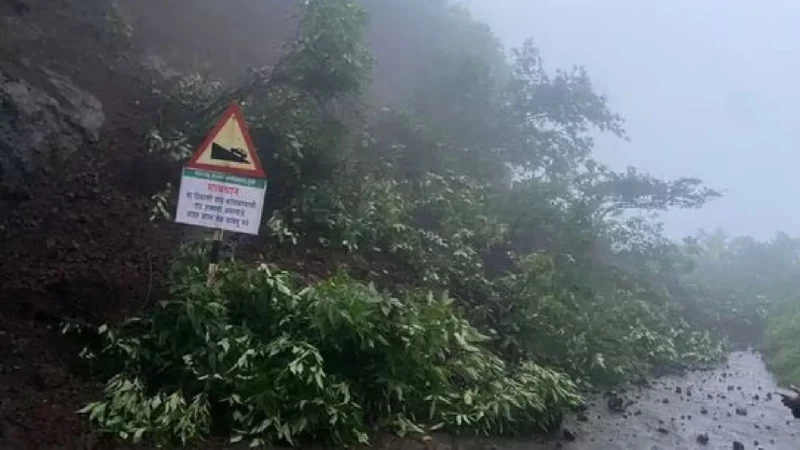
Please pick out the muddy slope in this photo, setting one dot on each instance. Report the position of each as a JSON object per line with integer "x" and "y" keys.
{"x": 75, "y": 101}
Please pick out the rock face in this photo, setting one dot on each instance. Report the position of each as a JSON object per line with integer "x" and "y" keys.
{"x": 42, "y": 126}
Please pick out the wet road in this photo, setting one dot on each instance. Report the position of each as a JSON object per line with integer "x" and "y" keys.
{"x": 674, "y": 411}
{"x": 736, "y": 402}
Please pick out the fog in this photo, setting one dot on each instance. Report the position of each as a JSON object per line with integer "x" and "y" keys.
{"x": 709, "y": 89}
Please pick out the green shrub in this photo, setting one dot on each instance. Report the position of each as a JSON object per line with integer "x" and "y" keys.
{"x": 258, "y": 358}
{"x": 598, "y": 335}
{"x": 780, "y": 345}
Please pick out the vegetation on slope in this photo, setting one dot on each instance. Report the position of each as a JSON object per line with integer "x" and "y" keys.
{"x": 268, "y": 360}
{"x": 747, "y": 289}
{"x": 523, "y": 267}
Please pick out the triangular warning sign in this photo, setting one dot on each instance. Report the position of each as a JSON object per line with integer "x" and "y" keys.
{"x": 229, "y": 148}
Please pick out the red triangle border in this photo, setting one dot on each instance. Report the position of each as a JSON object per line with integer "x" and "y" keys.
{"x": 234, "y": 110}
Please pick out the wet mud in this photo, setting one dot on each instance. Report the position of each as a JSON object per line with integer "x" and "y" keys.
{"x": 737, "y": 402}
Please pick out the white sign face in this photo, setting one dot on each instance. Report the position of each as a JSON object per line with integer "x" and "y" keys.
{"x": 218, "y": 200}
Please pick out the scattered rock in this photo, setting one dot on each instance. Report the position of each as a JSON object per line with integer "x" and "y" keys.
{"x": 738, "y": 445}
{"x": 741, "y": 411}
{"x": 616, "y": 404}
{"x": 702, "y": 438}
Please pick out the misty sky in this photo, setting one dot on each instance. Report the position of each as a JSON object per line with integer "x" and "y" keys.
{"x": 709, "y": 89}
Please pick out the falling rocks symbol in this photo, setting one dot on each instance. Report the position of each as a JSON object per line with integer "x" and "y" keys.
{"x": 221, "y": 153}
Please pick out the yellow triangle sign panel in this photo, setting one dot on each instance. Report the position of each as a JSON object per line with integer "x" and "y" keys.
{"x": 229, "y": 148}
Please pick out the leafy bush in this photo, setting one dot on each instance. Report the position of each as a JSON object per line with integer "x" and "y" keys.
{"x": 438, "y": 226}
{"x": 596, "y": 335}
{"x": 258, "y": 358}
{"x": 780, "y": 345}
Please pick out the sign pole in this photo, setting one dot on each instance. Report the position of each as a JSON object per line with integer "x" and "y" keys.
{"x": 213, "y": 266}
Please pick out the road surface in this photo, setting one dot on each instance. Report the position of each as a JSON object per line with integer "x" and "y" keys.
{"x": 702, "y": 410}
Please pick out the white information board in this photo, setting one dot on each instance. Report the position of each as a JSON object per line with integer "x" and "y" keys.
{"x": 218, "y": 200}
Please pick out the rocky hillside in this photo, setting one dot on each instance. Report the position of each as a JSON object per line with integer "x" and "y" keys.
{"x": 74, "y": 102}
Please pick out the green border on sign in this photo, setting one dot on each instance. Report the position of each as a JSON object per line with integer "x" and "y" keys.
{"x": 259, "y": 183}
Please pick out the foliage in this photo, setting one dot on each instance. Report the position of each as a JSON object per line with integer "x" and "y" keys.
{"x": 596, "y": 335}
{"x": 747, "y": 289}
{"x": 160, "y": 203}
{"x": 424, "y": 43}
{"x": 260, "y": 359}
{"x": 737, "y": 281}
{"x": 780, "y": 342}
{"x": 328, "y": 58}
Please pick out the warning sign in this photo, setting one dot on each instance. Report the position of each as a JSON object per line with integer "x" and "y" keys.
{"x": 229, "y": 148}
{"x": 217, "y": 200}
{"x": 223, "y": 185}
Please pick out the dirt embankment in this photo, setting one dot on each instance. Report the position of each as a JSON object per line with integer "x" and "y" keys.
{"x": 74, "y": 232}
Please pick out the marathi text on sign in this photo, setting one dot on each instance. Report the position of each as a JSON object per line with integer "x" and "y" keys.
{"x": 222, "y": 201}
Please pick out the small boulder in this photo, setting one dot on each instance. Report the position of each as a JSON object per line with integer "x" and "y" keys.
{"x": 616, "y": 404}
